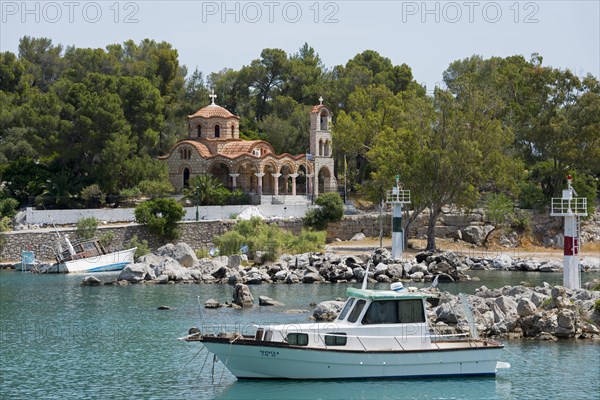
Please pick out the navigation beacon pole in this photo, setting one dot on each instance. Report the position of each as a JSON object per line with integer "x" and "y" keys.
{"x": 571, "y": 208}
{"x": 397, "y": 197}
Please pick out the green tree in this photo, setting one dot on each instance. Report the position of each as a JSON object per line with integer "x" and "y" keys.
{"x": 161, "y": 216}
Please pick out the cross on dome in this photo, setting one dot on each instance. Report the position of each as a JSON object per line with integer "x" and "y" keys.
{"x": 213, "y": 96}
{"x": 320, "y": 100}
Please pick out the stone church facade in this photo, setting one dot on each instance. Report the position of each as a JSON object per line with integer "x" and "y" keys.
{"x": 213, "y": 146}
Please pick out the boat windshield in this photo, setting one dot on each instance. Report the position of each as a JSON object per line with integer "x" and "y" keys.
{"x": 353, "y": 317}
{"x": 346, "y": 308}
{"x": 394, "y": 312}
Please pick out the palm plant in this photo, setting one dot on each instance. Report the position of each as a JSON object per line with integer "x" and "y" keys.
{"x": 202, "y": 188}
{"x": 60, "y": 190}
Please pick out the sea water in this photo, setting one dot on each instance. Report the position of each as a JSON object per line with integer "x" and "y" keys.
{"x": 60, "y": 340}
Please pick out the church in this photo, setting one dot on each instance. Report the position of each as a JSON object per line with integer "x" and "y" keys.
{"x": 213, "y": 146}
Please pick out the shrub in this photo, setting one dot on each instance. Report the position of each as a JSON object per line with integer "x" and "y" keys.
{"x": 86, "y": 228}
{"x": 521, "y": 221}
{"x": 271, "y": 240}
{"x": 230, "y": 243}
{"x": 93, "y": 196}
{"x": 597, "y": 306}
{"x": 307, "y": 241}
{"x": 142, "y": 246}
{"x": 8, "y": 207}
{"x": 202, "y": 252}
{"x": 160, "y": 216}
{"x": 4, "y": 226}
{"x": 331, "y": 209}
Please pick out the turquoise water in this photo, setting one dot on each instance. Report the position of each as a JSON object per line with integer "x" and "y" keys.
{"x": 61, "y": 340}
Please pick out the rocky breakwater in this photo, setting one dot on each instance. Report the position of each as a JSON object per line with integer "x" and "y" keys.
{"x": 544, "y": 312}
{"x": 179, "y": 264}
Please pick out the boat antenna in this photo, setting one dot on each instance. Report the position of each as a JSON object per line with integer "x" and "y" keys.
{"x": 366, "y": 277}
{"x": 435, "y": 281}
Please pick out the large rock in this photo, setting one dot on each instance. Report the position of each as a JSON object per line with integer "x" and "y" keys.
{"x": 173, "y": 269}
{"x": 138, "y": 272}
{"x": 212, "y": 303}
{"x": 358, "y": 237}
{"x": 328, "y": 310}
{"x": 242, "y": 296}
{"x": 525, "y": 308}
{"x": 267, "y": 301}
{"x": 91, "y": 281}
{"x": 181, "y": 252}
{"x": 210, "y": 267}
{"x": 502, "y": 262}
{"x": 475, "y": 234}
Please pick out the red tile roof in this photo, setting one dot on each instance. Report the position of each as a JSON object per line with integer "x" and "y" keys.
{"x": 213, "y": 110}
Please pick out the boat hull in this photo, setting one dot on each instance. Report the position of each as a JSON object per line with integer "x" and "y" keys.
{"x": 107, "y": 262}
{"x": 273, "y": 362}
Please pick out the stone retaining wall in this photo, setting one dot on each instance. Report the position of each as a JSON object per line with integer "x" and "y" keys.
{"x": 545, "y": 229}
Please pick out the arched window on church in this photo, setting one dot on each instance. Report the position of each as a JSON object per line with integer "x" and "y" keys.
{"x": 232, "y": 130}
{"x": 320, "y": 148}
{"x": 186, "y": 177}
{"x": 323, "y": 120}
{"x": 199, "y": 127}
{"x": 327, "y": 144}
{"x": 217, "y": 131}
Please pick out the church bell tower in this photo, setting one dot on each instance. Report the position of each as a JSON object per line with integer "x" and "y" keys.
{"x": 321, "y": 148}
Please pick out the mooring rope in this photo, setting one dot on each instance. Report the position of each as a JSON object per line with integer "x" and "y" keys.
{"x": 187, "y": 363}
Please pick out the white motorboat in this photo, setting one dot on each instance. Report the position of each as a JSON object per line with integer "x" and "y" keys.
{"x": 378, "y": 334}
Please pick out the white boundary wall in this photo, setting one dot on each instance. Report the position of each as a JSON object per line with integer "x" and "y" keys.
{"x": 206, "y": 213}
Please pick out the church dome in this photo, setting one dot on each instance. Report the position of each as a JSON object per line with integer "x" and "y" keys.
{"x": 212, "y": 110}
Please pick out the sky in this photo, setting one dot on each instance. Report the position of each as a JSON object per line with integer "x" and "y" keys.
{"x": 428, "y": 36}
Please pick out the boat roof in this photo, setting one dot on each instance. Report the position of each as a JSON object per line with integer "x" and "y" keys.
{"x": 384, "y": 294}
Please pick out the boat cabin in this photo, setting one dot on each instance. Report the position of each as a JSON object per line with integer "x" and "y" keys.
{"x": 369, "y": 320}
{"x": 79, "y": 250}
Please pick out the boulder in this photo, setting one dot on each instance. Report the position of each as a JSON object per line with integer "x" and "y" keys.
{"x": 380, "y": 269}
{"x": 358, "y": 237}
{"x": 181, "y": 252}
{"x": 551, "y": 266}
{"x": 91, "y": 281}
{"x": 475, "y": 234}
{"x": 328, "y": 310}
{"x": 212, "y": 303}
{"x": 395, "y": 271}
{"x": 173, "y": 269}
{"x": 267, "y": 301}
{"x": 292, "y": 278}
{"x": 242, "y": 296}
{"x": 503, "y": 262}
{"x": 422, "y": 256}
{"x": 417, "y": 276}
{"x": 311, "y": 277}
{"x": 525, "y": 308}
{"x": 135, "y": 273}
{"x": 209, "y": 267}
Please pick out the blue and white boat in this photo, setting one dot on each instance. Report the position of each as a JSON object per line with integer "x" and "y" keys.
{"x": 90, "y": 256}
